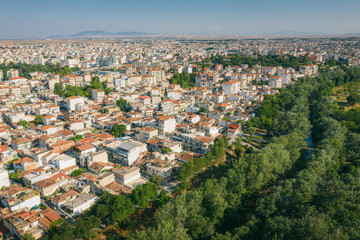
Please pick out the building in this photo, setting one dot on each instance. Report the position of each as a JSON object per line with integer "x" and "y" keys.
{"x": 146, "y": 133}
{"x": 126, "y": 152}
{"x": 231, "y": 87}
{"x": 75, "y": 103}
{"x": 167, "y": 123}
{"x": 159, "y": 167}
{"x": 4, "y": 178}
{"x": 98, "y": 95}
{"x": 126, "y": 175}
{"x": 16, "y": 198}
{"x": 275, "y": 82}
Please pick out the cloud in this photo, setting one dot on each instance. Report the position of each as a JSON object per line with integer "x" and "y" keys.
{"x": 146, "y": 19}
{"x": 216, "y": 27}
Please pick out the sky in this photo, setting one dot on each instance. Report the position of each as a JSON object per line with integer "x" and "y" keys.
{"x": 43, "y": 18}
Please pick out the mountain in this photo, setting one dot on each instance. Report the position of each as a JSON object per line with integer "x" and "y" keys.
{"x": 99, "y": 33}
{"x": 91, "y": 33}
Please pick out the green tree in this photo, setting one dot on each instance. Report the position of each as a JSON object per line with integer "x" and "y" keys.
{"x": 353, "y": 99}
{"x": 121, "y": 103}
{"x": 118, "y": 130}
{"x": 27, "y": 236}
{"x": 156, "y": 179}
{"x": 38, "y": 119}
{"x": 24, "y": 123}
{"x": 202, "y": 110}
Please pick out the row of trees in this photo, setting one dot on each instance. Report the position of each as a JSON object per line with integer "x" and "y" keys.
{"x": 281, "y": 191}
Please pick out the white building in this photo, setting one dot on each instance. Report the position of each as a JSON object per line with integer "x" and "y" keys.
{"x": 75, "y": 103}
{"x": 64, "y": 161}
{"x": 275, "y": 82}
{"x": 167, "y": 123}
{"x": 4, "y": 178}
{"x": 231, "y": 87}
{"x": 126, "y": 152}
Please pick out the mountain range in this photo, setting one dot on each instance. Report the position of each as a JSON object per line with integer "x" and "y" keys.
{"x": 99, "y": 33}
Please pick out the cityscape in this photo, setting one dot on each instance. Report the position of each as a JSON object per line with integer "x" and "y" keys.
{"x": 149, "y": 134}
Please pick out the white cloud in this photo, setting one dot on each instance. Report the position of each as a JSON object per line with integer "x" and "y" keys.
{"x": 216, "y": 27}
{"x": 146, "y": 19}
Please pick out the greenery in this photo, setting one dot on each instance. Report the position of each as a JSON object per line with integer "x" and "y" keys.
{"x": 202, "y": 110}
{"x": 353, "y": 98}
{"x": 77, "y": 137}
{"x": 24, "y": 124}
{"x": 118, "y": 130}
{"x": 184, "y": 79}
{"x": 121, "y": 103}
{"x": 15, "y": 177}
{"x": 156, "y": 179}
{"x": 26, "y": 69}
{"x": 77, "y": 172}
{"x": 284, "y": 190}
{"x": 109, "y": 210}
{"x": 86, "y": 91}
{"x": 38, "y": 119}
{"x": 28, "y": 236}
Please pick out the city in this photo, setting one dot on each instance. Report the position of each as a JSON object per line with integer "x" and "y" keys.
{"x": 201, "y": 122}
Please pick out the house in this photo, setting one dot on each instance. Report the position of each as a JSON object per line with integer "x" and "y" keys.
{"x": 26, "y": 164}
{"x": 126, "y": 152}
{"x": 146, "y": 133}
{"x": 231, "y": 87}
{"x": 167, "y": 123}
{"x": 4, "y": 178}
{"x": 159, "y": 167}
{"x": 75, "y": 103}
{"x": 21, "y": 143}
{"x": 35, "y": 222}
{"x": 126, "y": 175}
{"x": 64, "y": 161}
{"x": 275, "y": 82}
{"x": 80, "y": 203}
{"x": 16, "y": 198}
{"x": 98, "y": 95}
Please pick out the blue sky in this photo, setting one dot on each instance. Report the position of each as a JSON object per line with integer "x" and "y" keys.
{"x": 42, "y": 18}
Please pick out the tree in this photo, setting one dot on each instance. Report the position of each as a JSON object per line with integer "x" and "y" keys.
{"x": 121, "y": 103}
{"x": 24, "y": 123}
{"x": 38, "y": 119}
{"x": 77, "y": 137}
{"x": 142, "y": 195}
{"x": 118, "y": 130}
{"x": 202, "y": 110}
{"x": 58, "y": 90}
{"x": 156, "y": 179}
{"x": 353, "y": 98}
{"x": 27, "y": 236}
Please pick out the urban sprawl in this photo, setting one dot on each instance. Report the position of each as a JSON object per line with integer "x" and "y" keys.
{"x": 84, "y": 117}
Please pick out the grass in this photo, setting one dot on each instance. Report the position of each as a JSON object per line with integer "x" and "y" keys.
{"x": 340, "y": 93}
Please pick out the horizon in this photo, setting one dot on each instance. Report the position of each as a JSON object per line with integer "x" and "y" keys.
{"x": 40, "y": 19}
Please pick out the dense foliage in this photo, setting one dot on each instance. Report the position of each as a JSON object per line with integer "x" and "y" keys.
{"x": 85, "y": 91}
{"x": 26, "y": 69}
{"x": 109, "y": 210}
{"x": 184, "y": 79}
{"x": 284, "y": 190}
